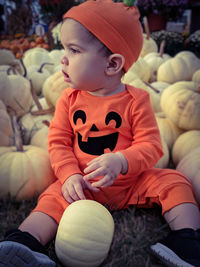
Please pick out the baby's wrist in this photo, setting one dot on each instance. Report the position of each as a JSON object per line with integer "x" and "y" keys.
{"x": 124, "y": 162}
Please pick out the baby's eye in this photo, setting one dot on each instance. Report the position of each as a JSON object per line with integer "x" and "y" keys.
{"x": 74, "y": 50}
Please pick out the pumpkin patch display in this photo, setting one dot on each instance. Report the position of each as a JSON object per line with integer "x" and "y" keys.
{"x": 25, "y": 171}
{"x": 84, "y": 234}
{"x": 184, "y": 144}
{"x": 190, "y": 167}
{"x": 181, "y": 104}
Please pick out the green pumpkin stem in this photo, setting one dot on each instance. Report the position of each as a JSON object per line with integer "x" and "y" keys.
{"x": 129, "y": 2}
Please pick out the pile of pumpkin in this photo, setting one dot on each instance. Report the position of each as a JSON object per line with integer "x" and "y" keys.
{"x": 25, "y": 114}
{"x": 173, "y": 86}
{"x": 20, "y": 43}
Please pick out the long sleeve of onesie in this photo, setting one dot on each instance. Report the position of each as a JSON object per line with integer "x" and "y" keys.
{"x": 60, "y": 142}
{"x": 85, "y": 126}
{"x": 146, "y": 148}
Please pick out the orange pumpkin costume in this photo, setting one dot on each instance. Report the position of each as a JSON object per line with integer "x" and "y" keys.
{"x": 85, "y": 126}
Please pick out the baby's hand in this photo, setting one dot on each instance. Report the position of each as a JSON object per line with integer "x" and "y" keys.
{"x": 109, "y": 165}
{"x": 72, "y": 189}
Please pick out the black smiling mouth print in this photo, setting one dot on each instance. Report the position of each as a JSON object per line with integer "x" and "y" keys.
{"x": 97, "y": 145}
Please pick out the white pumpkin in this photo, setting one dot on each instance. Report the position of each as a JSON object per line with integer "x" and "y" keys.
{"x": 155, "y": 60}
{"x": 84, "y": 234}
{"x": 6, "y": 131}
{"x": 37, "y": 57}
{"x": 196, "y": 76}
{"x": 40, "y": 138}
{"x": 30, "y": 124}
{"x": 178, "y": 68}
{"x": 37, "y": 75}
{"x": 53, "y": 87}
{"x": 190, "y": 167}
{"x": 149, "y": 45}
{"x": 184, "y": 144}
{"x": 155, "y": 92}
{"x": 6, "y": 57}
{"x": 16, "y": 94}
{"x": 140, "y": 69}
{"x": 181, "y": 103}
{"x": 168, "y": 130}
{"x": 164, "y": 160}
{"x": 43, "y": 103}
{"x": 25, "y": 171}
{"x": 157, "y": 88}
{"x": 56, "y": 56}
{"x": 192, "y": 61}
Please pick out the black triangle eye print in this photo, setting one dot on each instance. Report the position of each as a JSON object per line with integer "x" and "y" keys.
{"x": 97, "y": 145}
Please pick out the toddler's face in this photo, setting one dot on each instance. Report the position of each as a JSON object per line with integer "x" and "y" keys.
{"x": 83, "y": 63}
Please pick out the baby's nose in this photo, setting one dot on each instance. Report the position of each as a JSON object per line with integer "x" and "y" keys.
{"x": 64, "y": 60}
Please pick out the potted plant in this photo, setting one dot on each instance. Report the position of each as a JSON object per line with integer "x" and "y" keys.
{"x": 158, "y": 12}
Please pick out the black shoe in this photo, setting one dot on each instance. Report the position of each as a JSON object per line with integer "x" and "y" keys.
{"x": 180, "y": 248}
{"x": 20, "y": 249}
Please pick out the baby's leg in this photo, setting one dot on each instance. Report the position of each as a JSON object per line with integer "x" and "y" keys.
{"x": 182, "y": 246}
{"x": 185, "y": 215}
{"x": 41, "y": 226}
{"x": 25, "y": 246}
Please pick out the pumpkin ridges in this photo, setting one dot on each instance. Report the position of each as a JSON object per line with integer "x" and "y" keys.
{"x": 32, "y": 164}
{"x": 87, "y": 248}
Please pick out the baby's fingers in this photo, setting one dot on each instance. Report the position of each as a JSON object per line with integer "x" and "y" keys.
{"x": 90, "y": 187}
{"x": 104, "y": 182}
{"x": 96, "y": 173}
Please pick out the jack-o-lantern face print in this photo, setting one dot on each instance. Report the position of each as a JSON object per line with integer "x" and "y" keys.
{"x": 97, "y": 145}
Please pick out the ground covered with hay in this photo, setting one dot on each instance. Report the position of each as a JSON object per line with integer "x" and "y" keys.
{"x": 135, "y": 230}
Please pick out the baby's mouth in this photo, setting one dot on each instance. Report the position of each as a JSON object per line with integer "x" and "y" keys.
{"x": 66, "y": 76}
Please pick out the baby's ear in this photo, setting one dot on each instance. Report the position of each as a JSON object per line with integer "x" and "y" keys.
{"x": 115, "y": 64}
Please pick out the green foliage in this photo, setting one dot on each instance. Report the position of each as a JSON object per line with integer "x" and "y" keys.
{"x": 174, "y": 42}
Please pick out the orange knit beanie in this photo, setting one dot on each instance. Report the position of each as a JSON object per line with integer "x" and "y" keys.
{"x": 115, "y": 24}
